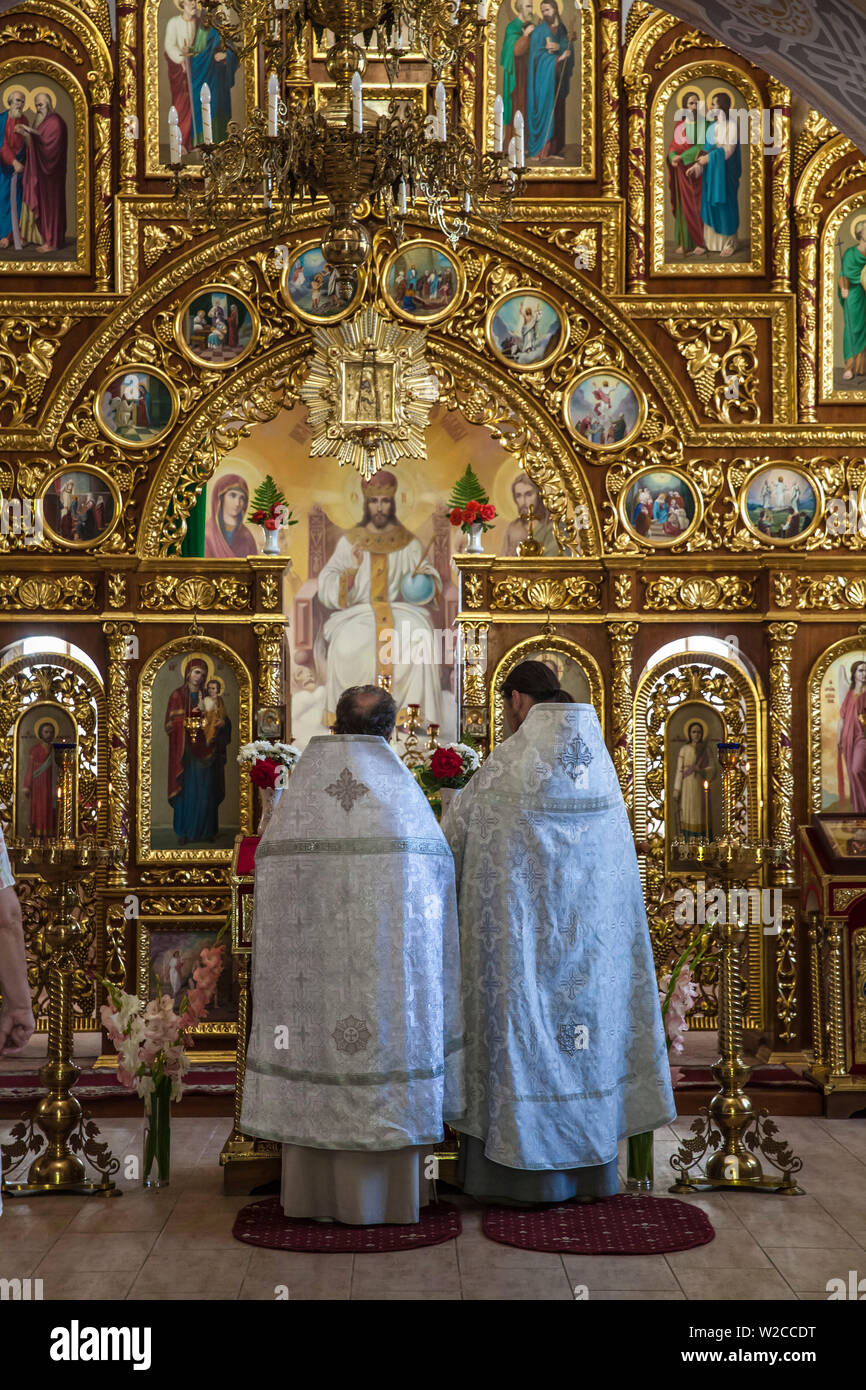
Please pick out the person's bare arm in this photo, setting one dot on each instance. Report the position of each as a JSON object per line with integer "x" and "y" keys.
{"x": 16, "y": 1012}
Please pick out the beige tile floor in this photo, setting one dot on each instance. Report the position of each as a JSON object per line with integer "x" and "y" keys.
{"x": 177, "y": 1244}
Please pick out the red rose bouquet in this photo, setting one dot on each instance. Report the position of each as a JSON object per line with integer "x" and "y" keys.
{"x": 469, "y": 503}
{"x": 449, "y": 766}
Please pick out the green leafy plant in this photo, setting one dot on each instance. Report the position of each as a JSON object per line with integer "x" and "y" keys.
{"x": 269, "y": 506}
{"x": 469, "y": 504}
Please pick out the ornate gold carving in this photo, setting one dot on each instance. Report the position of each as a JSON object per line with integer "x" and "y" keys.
{"x": 473, "y": 638}
{"x": 706, "y": 481}
{"x": 787, "y": 976}
{"x": 156, "y": 241}
{"x": 816, "y": 978}
{"x": 684, "y": 42}
{"x": 609, "y": 38}
{"x": 270, "y": 591}
{"x": 547, "y": 640}
{"x": 101, "y": 92}
{"x": 712, "y": 366}
{"x": 858, "y": 960}
{"x": 187, "y": 906}
{"x": 270, "y": 640}
{"x": 575, "y": 593}
{"x": 41, "y": 33}
{"x": 780, "y": 191}
{"x": 115, "y": 945}
{"x": 116, "y": 586}
{"x": 781, "y": 637}
{"x": 726, "y": 592}
{"x": 195, "y": 593}
{"x": 637, "y": 86}
{"x": 622, "y": 637}
{"x": 199, "y": 877}
{"x": 833, "y": 591}
{"x": 68, "y": 593}
{"x": 815, "y": 132}
{"x": 679, "y": 679}
{"x": 577, "y": 242}
{"x": 807, "y": 261}
{"x": 623, "y": 588}
{"x": 120, "y": 801}
{"x": 844, "y": 897}
{"x": 825, "y": 473}
{"x": 473, "y": 590}
{"x": 783, "y": 590}
{"x": 27, "y": 348}
{"x": 835, "y": 972}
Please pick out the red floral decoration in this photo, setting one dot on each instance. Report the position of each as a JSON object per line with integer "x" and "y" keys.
{"x": 264, "y": 772}
{"x": 446, "y": 763}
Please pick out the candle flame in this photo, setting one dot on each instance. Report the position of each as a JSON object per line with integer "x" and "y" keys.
{"x": 706, "y": 786}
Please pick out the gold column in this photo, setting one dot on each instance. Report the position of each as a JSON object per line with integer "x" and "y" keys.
{"x": 838, "y": 1064}
{"x": 473, "y": 652}
{"x": 780, "y": 194}
{"x": 807, "y": 258}
{"x": 270, "y": 688}
{"x": 622, "y": 637}
{"x": 787, "y": 976}
{"x": 610, "y": 103}
{"x": 781, "y": 637}
{"x": 637, "y": 87}
{"x": 818, "y": 1021}
{"x": 127, "y": 67}
{"x": 103, "y": 201}
{"x": 119, "y": 802}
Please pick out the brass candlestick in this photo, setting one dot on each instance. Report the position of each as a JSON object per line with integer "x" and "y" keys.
{"x": 729, "y": 1126}
{"x": 62, "y": 861}
{"x": 530, "y": 546}
{"x": 413, "y": 754}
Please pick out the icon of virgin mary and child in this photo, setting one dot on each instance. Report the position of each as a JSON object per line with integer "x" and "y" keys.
{"x": 199, "y": 732}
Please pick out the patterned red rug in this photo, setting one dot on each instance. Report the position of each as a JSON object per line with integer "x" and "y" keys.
{"x": 622, "y": 1225}
{"x": 263, "y": 1223}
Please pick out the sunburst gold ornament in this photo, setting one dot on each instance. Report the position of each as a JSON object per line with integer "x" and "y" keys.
{"x": 369, "y": 392}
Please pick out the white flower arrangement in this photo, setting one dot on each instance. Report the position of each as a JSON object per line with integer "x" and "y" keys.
{"x": 285, "y": 753}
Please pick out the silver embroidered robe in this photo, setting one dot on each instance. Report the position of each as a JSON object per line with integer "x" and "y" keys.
{"x": 357, "y": 1031}
{"x": 565, "y": 1051}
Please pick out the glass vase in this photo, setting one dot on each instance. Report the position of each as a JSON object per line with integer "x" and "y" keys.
{"x": 639, "y": 1174}
{"x": 157, "y": 1136}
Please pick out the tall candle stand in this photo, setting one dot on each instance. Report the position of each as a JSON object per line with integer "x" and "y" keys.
{"x": 413, "y": 753}
{"x": 62, "y": 861}
{"x": 729, "y": 1128}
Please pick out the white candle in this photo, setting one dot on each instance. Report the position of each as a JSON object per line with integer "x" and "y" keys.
{"x": 206, "y": 122}
{"x": 401, "y": 198}
{"x": 512, "y": 152}
{"x": 175, "y": 146}
{"x": 440, "y": 110}
{"x": 519, "y": 136}
{"x": 454, "y": 15}
{"x": 467, "y": 204}
{"x": 273, "y": 103}
{"x": 357, "y": 104}
{"x": 482, "y": 10}
{"x": 497, "y": 124}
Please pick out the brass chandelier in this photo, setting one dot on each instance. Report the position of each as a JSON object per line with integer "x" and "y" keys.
{"x": 341, "y": 151}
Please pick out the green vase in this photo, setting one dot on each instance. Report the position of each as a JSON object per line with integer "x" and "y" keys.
{"x": 157, "y": 1136}
{"x": 639, "y": 1175}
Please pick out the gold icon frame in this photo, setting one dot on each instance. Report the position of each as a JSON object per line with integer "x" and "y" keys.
{"x": 103, "y": 478}
{"x": 674, "y": 540}
{"x": 543, "y": 362}
{"x": 638, "y": 392}
{"x": 779, "y": 541}
{"x": 189, "y": 352}
{"x": 136, "y": 369}
{"x": 405, "y": 248}
{"x": 295, "y": 253}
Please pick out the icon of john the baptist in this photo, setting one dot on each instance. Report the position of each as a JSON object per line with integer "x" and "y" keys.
{"x": 196, "y": 758}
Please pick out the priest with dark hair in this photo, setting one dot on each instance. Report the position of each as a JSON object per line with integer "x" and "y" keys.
{"x": 356, "y": 1040}
{"x": 565, "y": 1050}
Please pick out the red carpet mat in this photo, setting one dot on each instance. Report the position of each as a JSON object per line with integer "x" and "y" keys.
{"x": 780, "y": 1077}
{"x": 622, "y": 1225}
{"x": 102, "y": 1084}
{"x": 263, "y": 1223}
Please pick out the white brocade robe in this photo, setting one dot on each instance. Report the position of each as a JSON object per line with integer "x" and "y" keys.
{"x": 356, "y": 1038}
{"x": 366, "y": 611}
{"x": 565, "y": 1050}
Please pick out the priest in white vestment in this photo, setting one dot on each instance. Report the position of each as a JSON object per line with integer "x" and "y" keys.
{"x": 357, "y": 1035}
{"x": 379, "y": 584}
{"x": 565, "y": 1050}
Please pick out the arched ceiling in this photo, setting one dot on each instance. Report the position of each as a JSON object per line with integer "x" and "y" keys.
{"x": 816, "y": 47}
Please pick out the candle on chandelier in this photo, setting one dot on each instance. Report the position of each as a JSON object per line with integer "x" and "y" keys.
{"x": 206, "y": 121}
{"x": 467, "y": 203}
{"x": 175, "y": 144}
{"x": 512, "y": 152}
{"x": 357, "y": 104}
{"x": 482, "y": 10}
{"x": 519, "y": 136}
{"x": 401, "y": 198}
{"x": 497, "y": 124}
{"x": 454, "y": 14}
{"x": 440, "y": 110}
{"x": 707, "y": 809}
{"x": 273, "y": 104}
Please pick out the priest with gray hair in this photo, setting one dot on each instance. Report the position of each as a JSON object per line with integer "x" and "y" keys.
{"x": 357, "y": 1034}
{"x": 565, "y": 1050}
